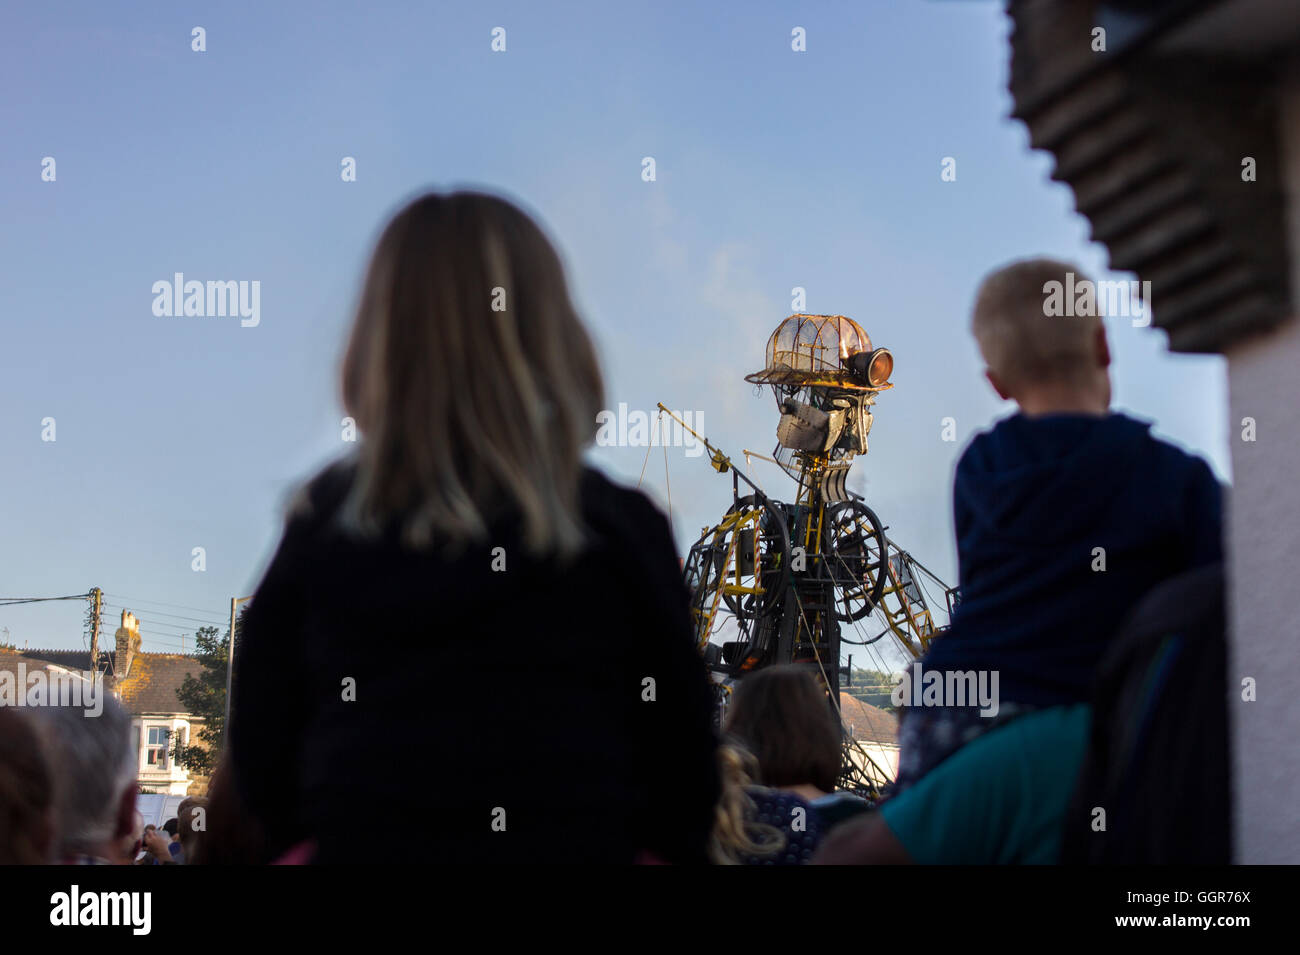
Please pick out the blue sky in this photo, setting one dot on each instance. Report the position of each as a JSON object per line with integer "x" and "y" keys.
{"x": 775, "y": 169}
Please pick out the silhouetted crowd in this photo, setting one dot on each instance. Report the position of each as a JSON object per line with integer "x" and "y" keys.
{"x": 466, "y": 626}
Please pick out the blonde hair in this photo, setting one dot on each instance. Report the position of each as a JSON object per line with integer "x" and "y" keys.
{"x": 1020, "y": 341}
{"x": 734, "y": 830}
{"x": 471, "y": 379}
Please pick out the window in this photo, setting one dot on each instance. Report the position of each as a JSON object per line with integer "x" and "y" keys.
{"x": 156, "y": 755}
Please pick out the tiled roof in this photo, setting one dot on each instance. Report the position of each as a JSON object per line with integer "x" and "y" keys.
{"x": 866, "y": 722}
{"x": 149, "y": 689}
{"x": 9, "y": 660}
{"x": 151, "y": 686}
{"x": 71, "y": 659}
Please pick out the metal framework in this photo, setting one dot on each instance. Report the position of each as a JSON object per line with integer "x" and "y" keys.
{"x": 778, "y": 582}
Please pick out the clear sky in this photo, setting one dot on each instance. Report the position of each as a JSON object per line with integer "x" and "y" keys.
{"x": 775, "y": 169}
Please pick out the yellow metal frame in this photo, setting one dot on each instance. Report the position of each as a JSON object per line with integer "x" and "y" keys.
{"x": 912, "y": 626}
{"x": 919, "y": 623}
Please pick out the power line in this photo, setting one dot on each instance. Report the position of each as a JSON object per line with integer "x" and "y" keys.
{"x": 11, "y": 601}
{"x": 183, "y": 648}
{"x": 175, "y": 632}
{"x": 165, "y": 629}
{"x": 161, "y": 604}
{"x": 160, "y": 613}
{"x": 172, "y": 640}
{"x": 168, "y": 629}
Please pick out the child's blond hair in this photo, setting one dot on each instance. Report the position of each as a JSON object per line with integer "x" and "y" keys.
{"x": 1022, "y": 341}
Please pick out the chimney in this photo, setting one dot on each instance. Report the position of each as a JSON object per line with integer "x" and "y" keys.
{"x": 128, "y": 643}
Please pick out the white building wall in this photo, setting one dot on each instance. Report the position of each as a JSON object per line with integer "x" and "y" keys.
{"x": 173, "y": 780}
{"x": 1264, "y": 554}
{"x": 883, "y": 755}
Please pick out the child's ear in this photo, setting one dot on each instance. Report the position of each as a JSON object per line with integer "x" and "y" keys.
{"x": 1102, "y": 348}
{"x": 126, "y": 813}
{"x": 996, "y": 382}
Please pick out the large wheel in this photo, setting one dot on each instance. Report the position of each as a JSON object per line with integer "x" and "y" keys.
{"x": 740, "y": 569}
{"x": 856, "y": 551}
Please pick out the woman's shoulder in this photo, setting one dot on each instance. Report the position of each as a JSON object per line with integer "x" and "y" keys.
{"x": 778, "y": 803}
{"x": 602, "y": 493}
{"x": 618, "y": 516}
{"x": 616, "y": 509}
{"x": 836, "y": 807}
{"x": 793, "y": 817}
{"x": 316, "y": 501}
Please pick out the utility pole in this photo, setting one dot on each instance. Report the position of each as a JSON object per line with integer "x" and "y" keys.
{"x": 230, "y": 656}
{"x": 96, "y": 596}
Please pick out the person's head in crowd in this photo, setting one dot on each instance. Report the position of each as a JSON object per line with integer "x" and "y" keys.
{"x": 1048, "y": 355}
{"x": 783, "y": 716}
{"x": 471, "y": 379}
{"x": 192, "y": 824}
{"x": 145, "y": 838}
{"x": 736, "y": 834}
{"x": 172, "y": 828}
{"x": 94, "y": 769}
{"x": 233, "y": 836}
{"x": 26, "y": 793}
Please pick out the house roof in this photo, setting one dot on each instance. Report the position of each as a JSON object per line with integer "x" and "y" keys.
{"x": 148, "y": 690}
{"x": 70, "y": 659}
{"x": 151, "y": 686}
{"x": 867, "y": 723}
{"x": 9, "y": 660}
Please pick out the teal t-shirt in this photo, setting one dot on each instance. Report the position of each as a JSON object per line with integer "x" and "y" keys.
{"x": 1001, "y": 798}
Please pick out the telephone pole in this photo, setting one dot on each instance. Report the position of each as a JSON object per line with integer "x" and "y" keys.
{"x": 96, "y": 596}
{"x": 230, "y": 657}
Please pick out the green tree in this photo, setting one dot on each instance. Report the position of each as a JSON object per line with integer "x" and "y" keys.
{"x": 873, "y": 686}
{"x": 204, "y": 697}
